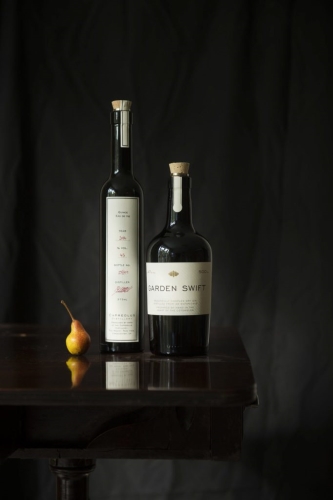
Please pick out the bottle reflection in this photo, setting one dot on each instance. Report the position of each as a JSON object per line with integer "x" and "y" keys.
{"x": 122, "y": 375}
{"x": 179, "y": 374}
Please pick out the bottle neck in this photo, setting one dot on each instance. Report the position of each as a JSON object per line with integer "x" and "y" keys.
{"x": 179, "y": 217}
{"x": 121, "y": 143}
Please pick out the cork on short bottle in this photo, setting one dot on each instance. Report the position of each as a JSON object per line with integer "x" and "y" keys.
{"x": 179, "y": 168}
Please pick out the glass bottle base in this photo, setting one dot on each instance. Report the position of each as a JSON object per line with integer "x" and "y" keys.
{"x": 174, "y": 351}
{"x": 113, "y": 347}
{"x": 179, "y": 335}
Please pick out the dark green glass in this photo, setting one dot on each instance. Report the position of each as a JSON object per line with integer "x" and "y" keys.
{"x": 179, "y": 242}
{"x": 121, "y": 183}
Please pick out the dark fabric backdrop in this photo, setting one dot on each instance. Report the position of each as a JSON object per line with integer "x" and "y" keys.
{"x": 243, "y": 91}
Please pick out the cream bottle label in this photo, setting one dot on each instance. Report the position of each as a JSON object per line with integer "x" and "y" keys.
{"x": 122, "y": 375}
{"x": 177, "y": 194}
{"x": 179, "y": 288}
{"x": 122, "y": 270}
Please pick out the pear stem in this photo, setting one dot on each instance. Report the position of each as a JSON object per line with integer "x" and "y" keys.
{"x": 65, "y": 305}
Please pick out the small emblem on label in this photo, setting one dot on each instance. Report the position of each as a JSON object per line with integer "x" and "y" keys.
{"x": 173, "y": 274}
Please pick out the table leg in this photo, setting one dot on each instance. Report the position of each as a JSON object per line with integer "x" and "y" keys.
{"x": 72, "y": 477}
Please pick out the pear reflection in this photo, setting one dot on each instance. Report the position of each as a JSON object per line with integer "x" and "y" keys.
{"x": 78, "y": 366}
{"x": 179, "y": 374}
{"x": 122, "y": 375}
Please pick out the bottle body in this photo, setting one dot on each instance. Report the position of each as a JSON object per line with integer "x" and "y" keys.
{"x": 121, "y": 250}
{"x": 179, "y": 275}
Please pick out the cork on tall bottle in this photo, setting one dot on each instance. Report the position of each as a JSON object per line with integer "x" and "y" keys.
{"x": 121, "y": 105}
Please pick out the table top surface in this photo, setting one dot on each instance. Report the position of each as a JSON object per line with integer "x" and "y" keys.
{"x": 36, "y": 369}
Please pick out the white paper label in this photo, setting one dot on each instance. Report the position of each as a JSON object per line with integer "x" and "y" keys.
{"x": 122, "y": 270}
{"x": 124, "y": 129}
{"x": 122, "y": 375}
{"x": 179, "y": 288}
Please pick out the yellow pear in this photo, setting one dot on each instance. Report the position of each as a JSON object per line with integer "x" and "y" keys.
{"x": 78, "y": 366}
{"x": 78, "y": 340}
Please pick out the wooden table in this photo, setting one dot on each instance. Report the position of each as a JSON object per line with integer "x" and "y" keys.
{"x": 125, "y": 406}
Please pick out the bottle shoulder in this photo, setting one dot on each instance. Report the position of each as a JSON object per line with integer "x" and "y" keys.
{"x": 168, "y": 246}
{"x": 172, "y": 236}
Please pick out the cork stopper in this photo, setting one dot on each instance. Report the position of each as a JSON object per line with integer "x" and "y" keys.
{"x": 180, "y": 168}
{"x": 121, "y": 105}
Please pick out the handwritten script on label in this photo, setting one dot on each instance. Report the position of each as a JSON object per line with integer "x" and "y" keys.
{"x": 122, "y": 289}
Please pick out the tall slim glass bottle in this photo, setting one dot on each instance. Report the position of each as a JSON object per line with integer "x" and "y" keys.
{"x": 121, "y": 243}
{"x": 179, "y": 274}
